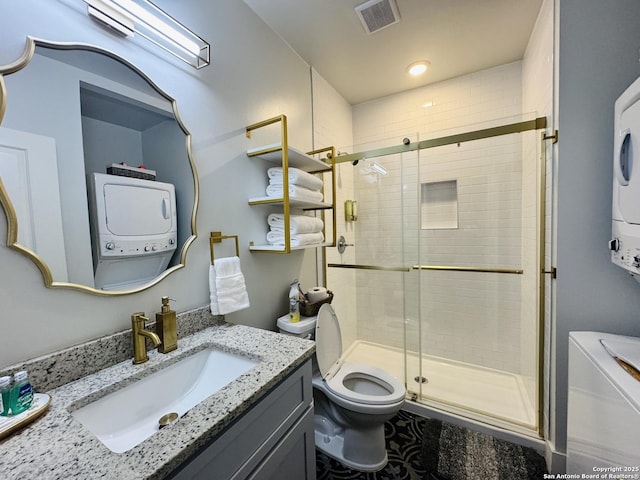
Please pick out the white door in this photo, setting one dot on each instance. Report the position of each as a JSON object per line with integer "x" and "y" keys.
{"x": 29, "y": 173}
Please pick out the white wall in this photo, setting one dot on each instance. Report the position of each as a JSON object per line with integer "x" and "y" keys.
{"x": 333, "y": 125}
{"x": 253, "y": 76}
{"x": 598, "y": 59}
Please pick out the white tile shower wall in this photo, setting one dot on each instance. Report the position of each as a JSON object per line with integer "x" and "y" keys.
{"x": 472, "y": 318}
{"x": 332, "y": 125}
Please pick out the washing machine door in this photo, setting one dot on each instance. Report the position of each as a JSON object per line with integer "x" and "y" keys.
{"x": 627, "y": 163}
{"x": 328, "y": 342}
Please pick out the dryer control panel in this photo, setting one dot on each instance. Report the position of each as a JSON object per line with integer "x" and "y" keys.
{"x": 625, "y": 248}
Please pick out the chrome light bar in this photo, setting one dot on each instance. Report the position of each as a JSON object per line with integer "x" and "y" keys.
{"x": 128, "y": 17}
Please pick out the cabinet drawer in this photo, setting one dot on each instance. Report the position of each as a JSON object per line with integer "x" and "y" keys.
{"x": 294, "y": 457}
{"x": 243, "y": 445}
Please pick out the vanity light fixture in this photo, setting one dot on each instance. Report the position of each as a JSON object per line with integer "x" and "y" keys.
{"x": 418, "y": 68}
{"x": 128, "y": 17}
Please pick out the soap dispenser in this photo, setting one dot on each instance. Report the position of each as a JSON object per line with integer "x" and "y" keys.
{"x": 166, "y": 327}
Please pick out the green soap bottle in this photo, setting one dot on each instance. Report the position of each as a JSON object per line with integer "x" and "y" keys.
{"x": 5, "y": 390}
{"x": 21, "y": 393}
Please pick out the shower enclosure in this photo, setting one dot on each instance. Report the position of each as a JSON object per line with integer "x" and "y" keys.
{"x": 441, "y": 285}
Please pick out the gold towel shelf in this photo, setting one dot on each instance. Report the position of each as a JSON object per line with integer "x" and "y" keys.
{"x": 217, "y": 237}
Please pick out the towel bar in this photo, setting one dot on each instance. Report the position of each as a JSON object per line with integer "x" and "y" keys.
{"x": 217, "y": 237}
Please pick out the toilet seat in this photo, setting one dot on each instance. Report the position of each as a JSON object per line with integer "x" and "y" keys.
{"x": 364, "y": 384}
{"x": 377, "y": 387}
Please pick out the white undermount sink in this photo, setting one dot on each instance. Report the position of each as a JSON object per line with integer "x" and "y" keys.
{"x": 125, "y": 418}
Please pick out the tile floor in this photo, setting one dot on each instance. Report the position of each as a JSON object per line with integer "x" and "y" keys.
{"x": 420, "y": 448}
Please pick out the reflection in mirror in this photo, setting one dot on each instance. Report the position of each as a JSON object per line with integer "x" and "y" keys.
{"x": 97, "y": 180}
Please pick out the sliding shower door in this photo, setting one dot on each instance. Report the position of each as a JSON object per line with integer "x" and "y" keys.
{"x": 445, "y": 270}
{"x": 476, "y": 273}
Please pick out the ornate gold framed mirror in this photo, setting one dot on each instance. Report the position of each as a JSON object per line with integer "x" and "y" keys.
{"x": 97, "y": 178}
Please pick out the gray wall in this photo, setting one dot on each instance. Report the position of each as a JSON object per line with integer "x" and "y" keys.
{"x": 253, "y": 76}
{"x": 598, "y": 59}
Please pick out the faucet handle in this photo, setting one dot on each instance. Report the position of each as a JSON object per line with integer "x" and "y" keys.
{"x": 139, "y": 316}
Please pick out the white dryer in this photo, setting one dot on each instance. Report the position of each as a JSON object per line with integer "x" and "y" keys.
{"x": 625, "y": 243}
{"x": 134, "y": 229}
{"x": 603, "y": 424}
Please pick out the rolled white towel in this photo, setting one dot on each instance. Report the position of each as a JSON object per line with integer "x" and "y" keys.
{"x": 298, "y": 240}
{"x": 301, "y": 193}
{"x": 297, "y": 223}
{"x": 296, "y": 177}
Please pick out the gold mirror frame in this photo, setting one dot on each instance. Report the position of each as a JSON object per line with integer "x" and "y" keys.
{"x": 5, "y": 201}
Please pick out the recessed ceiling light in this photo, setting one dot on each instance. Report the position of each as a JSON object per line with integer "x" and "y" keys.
{"x": 418, "y": 68}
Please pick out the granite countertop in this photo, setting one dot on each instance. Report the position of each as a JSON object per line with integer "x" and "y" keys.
{"x": 57, "y": 446}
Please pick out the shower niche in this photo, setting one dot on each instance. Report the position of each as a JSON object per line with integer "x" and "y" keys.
{"x": 439, "y": 205}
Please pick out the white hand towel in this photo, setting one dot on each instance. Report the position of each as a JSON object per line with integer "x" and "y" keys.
{"x": 277, "y": 238}
{"x": 296, "y": 177}
{"x": 213, "y": 291}
{"x": 297, "y": 223}
{"x": 228, "y": 292}
{"x": 277, "y": 191}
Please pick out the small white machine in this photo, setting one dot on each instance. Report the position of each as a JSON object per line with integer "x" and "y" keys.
{"x": 133, "y": 229}
{"x": 603, "y": 424}
{"x": 625, "y": 242}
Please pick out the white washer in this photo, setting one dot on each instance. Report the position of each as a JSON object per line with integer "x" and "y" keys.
{"x": 603, "y": 424}
{"x": 625, "y": 242}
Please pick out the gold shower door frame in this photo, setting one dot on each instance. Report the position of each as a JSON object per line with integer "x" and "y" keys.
{"x": 518, "y": 127}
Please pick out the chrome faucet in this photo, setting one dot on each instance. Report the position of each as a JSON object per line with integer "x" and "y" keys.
{"x": 139, "y": 333}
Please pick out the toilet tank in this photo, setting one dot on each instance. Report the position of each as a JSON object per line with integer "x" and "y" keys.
{"x": 305, "y": 328}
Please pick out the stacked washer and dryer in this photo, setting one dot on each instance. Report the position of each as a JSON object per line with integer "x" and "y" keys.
{"x": 603, "y": 424}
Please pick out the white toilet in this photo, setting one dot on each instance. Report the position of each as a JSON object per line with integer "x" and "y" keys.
{"x": 351, "y": 401}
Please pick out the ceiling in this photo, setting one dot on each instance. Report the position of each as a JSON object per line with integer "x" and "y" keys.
{"x": 458, "y": 37}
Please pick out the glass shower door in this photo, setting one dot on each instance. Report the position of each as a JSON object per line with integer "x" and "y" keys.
{"x": 445, "y": 270}
{"x": 473, "y": 287}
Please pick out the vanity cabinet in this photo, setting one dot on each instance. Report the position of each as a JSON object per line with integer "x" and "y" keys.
{"x": 281, "y": 154}
{"x": 273, "y": 440}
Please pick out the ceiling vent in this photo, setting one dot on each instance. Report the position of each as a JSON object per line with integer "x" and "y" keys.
{"x": 377, "y": 14}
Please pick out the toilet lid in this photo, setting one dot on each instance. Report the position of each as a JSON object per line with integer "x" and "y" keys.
{"x": 328, "y": 341}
